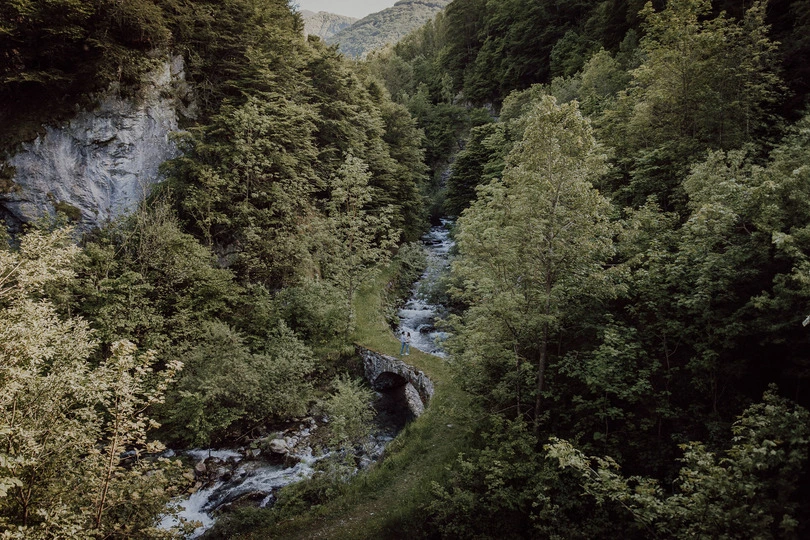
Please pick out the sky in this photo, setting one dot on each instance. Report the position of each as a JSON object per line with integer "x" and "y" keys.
{"x": 352, "y": 8}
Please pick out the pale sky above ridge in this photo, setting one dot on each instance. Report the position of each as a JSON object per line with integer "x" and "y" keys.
{"x": 352, "y": 8}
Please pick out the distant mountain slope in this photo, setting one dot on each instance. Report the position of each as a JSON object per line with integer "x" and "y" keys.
{"x": 323, "y": 24}
{"x": 387, "y": 26}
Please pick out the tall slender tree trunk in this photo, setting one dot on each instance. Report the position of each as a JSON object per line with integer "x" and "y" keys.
{"x": 543, "y": 356}
{"x": 25, "y": 499}
{"x": 541, "y": 371}
{"x": 349, "y": 308}
{"x": 517, "y": 380}
{"x": 108, "y": 473}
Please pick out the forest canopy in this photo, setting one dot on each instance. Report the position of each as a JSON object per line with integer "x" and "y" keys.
{"x": 635, "y": 300}
{"x": 223, "y": 303}
{"x": 629, "y": 190}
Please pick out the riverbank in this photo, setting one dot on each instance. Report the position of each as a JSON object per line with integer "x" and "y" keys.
{"x": 257, "y": 470}
{"x": 388, "y": 498}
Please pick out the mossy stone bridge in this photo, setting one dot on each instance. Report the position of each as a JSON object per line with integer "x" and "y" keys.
{"x": 389, "y": 374}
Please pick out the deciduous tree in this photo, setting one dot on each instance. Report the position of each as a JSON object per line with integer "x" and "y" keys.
{"x": 534, "y": 245}
{"x": 356, "y": 242}
{"x": 747, "y": 491}
{"x": 74, "y": 434}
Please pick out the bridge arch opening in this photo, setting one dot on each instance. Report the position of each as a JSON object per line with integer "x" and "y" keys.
{"x": 392, "y": 406}
{"x": 388, "y": 380}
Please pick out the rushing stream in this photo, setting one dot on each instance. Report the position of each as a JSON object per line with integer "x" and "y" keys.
{"x": 233, "y": 476}
{"x": 252, "y": 475}
{"x": 418, "y": 316}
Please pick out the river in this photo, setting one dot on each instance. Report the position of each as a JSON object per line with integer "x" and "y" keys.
{"x": 419, "y": 315}
{"x": 243, "y": 475}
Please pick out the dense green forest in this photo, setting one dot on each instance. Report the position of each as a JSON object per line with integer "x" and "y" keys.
{"x": 629, "y": 184}
{"x": 631, "y": 278}
{"x": 299, "y": 179}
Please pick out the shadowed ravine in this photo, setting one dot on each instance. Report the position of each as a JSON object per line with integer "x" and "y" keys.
{"x": 245, "y": 476}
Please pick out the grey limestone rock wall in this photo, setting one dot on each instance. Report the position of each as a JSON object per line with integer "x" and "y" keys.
{"x": 104, "y": 161}
{"x": 385, "y": 372}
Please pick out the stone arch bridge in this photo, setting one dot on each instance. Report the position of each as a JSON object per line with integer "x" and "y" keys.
{"x": 386, "y": 373}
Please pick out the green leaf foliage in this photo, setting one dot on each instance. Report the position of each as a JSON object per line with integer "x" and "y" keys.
{"x": 704, "y": 82}
{"x": 747, "y": 491}
{"x": 349, "y": 410}
{"x": 531, "y": 247}
{"x": 507, "y": 489}
{"x": 631, "y": 271}
{"x": 225, "y": 386}
{"x": 358, "y": 241}
{"x": 77, "y": 460}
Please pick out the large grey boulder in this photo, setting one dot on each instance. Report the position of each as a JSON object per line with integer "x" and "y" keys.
{"x": 279, "y": 446}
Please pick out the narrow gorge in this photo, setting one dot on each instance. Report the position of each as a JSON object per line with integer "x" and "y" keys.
{"x": 251, "y": 475}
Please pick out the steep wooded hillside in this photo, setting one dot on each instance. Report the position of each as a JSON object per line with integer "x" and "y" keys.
{"x": 488, "y": 49}
{"x": 630, "y": 284}
{"x": 224, "y": 303}
{"x": 627, "y": 301}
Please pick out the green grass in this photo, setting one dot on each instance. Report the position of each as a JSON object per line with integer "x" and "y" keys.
{"x": 389, "y": 498}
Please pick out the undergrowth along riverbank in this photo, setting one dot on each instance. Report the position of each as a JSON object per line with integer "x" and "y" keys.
{"x": 388, "y": 499}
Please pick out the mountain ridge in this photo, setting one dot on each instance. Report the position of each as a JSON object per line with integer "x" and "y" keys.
{"x": 385, "y": 27}
{"x": 325, "y": 24}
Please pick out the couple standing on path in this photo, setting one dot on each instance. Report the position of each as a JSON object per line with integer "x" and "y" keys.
{"x": 405, "y": 338}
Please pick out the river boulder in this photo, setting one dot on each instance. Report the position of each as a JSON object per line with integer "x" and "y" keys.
{"x": 279, "y": 446}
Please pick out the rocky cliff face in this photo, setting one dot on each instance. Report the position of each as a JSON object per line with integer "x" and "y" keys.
{"x": 323, "y": 24}
{"x": 104, "y": 161}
